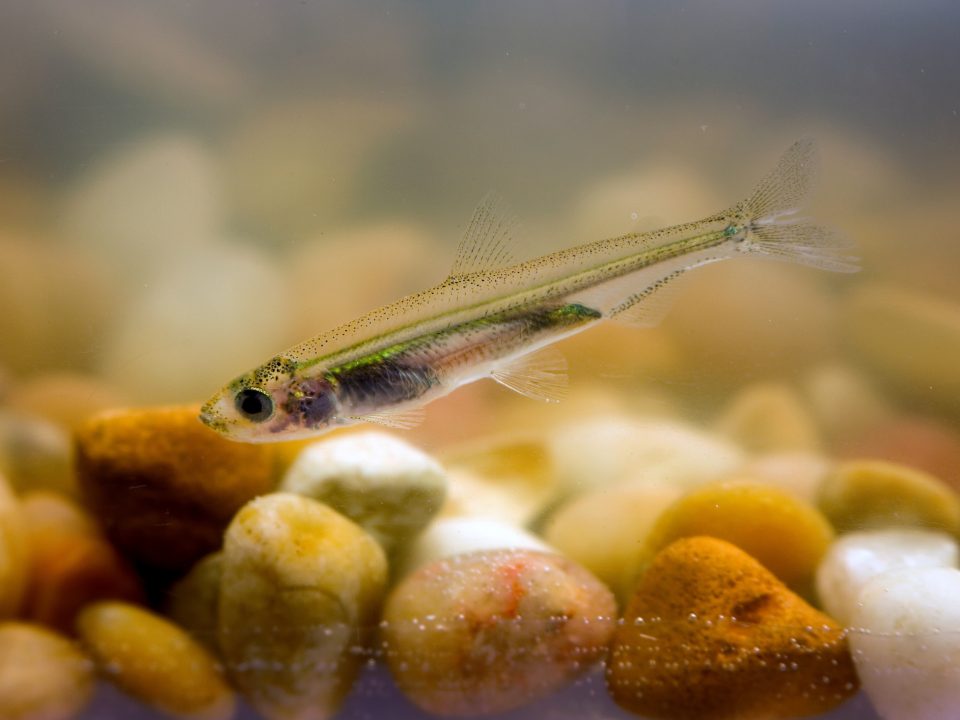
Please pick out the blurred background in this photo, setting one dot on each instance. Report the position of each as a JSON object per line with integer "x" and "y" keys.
{"x": 187, "y": 188}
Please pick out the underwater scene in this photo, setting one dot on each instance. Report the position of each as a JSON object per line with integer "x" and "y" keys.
{"x": 406, "y": 360}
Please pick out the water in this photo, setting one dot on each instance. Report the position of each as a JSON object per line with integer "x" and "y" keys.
{"x": 187, "y": 188}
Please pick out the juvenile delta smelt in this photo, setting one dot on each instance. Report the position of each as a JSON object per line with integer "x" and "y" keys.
{"x": 493, "y": 317}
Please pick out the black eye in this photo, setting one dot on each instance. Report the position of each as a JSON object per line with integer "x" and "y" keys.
{"x": 254, "y": 404}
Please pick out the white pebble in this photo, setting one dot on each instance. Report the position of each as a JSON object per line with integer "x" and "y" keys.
{"x": 906, "y": 643}
{"x": 855, "y": 559}
{"x": 387, "y": 486}
{"x": 456, "y": 535}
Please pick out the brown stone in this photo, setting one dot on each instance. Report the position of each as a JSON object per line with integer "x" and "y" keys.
{"x": 163, "y": 485}
{"x": 710, "y": 634}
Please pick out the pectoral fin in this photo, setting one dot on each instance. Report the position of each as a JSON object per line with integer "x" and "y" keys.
{"x": 541, "y": 375}
{"x": 403, "y": 420}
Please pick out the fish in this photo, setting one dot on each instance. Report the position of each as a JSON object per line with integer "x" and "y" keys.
{"x": 494, "y": 317}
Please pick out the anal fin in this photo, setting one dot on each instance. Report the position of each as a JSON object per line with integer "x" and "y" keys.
{"x": 541, "y": 375}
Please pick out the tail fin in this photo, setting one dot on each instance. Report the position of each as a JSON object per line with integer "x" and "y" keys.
{"x": 774, "y": 228}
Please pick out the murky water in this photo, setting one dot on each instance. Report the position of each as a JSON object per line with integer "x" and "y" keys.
{"x": 188, "y": 188}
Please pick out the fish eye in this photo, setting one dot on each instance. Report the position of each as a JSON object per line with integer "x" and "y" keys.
{"x": 254, "y": 404}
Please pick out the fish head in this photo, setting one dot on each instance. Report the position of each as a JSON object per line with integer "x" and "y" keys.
{"x": 272, "y": 403}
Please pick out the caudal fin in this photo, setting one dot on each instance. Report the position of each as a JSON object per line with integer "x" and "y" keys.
{"x": 774, "y": 226}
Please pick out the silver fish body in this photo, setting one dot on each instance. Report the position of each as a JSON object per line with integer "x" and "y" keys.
{"x": 494, "y": 318}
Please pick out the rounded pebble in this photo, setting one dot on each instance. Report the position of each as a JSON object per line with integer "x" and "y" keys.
{"x": 155, "y": 661}
{"x": 447, "y": 537}
{"x": 485, "y": 632}
{"x": 509, "y": 478}
{"x": 910, "y": 338}
{"x": 748, "y": 515}
{"x": 194, "y": 601}
{"x": 854, "y": 559}
{"x": 603, "y": 450}
{"x": 798, "y": 473}
{"x": 710, "y": 634}
{"x": 164, "y": 486}
{"x": 602, "y": 529}
{"x": 906, "y": 643}
{"x": 299, "y": 591}
{"x": 14, "y": 558}
{"x": 385, "y": 485}
{"x": 64, "y": 398}
{"x": 43, "y": 676}
{"x": 71, "y": 564}
{"x": 35, "y": 454}
{"x": 873, "y": 494}
{"x": 769, "y": 417}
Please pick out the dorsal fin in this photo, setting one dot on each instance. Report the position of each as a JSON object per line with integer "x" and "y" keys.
{"x": 488, "y": 241}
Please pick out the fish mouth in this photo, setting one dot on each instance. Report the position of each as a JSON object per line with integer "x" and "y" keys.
{"x": 211, "y": 419}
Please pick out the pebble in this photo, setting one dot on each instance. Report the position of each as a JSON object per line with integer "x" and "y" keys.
{"x": 216, "y": 311}
{"x": 603, "y": 450}
{"x": 488, "y": 631}
{"x": 71, "y": 564}
{"x": 906, "y": 643}
{"x": 601, "y": 529}
{"x": 709, "y": 633}
{"x": 387, "y": 486}
{"x": 451, "y": 536}
{"x": 874, "y": 494}
{"x": 154, "y": 661}
{"x": 285, "y": 175}
{"x": 54, "y": 308}
{"x": 911, "y": 339}
{"x": 299, "y": 590}
{"x": 163, "y": 486}
{"x": 63, "y": 398}
{"x": 799, "y": 474}
{"x": 748, "y": 515}
{"x": 193, "y": 601}
{"x": 769, "y": 417}
{"x": 43, "y": 676}
{"x": 14, "y": 552}
{"x": 844, "y": 402}
{"x": 145, "y": 202}
{"x": 35, "y": 454}
{"x": 854, "y": 559}
{"x": 509, "y": 478}
{"x": 919, "y": 442}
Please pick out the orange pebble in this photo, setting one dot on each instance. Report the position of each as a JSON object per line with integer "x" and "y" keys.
{"x": 710, "y": 634}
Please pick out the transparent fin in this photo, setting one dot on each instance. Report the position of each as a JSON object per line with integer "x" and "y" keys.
{"x": 403, "y": 420}
{"x": 541, "y": 375}
{"x": 774, "y": 227}
{"x": 488, "y": 242}
{"x": 648, "y": 308}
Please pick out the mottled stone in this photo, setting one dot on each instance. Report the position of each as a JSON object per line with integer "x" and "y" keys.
{"x": 388, "y": 487}
{"x": 154, "y": 661}
{"x": 872, "y": 494}
{"x": 299, "y": 592}
{"x": 163, "y": 485}
{"x": 710, "y": 634}
{"x": 488, "y": 631}
{"x": 43, "y": 676}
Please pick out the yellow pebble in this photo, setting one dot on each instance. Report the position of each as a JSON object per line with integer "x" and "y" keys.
{"x": 872, "y": 494}
{"x": 155, "y": 661}
{"x": 785, "y": 535}
{"x": 43, "y": 676}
